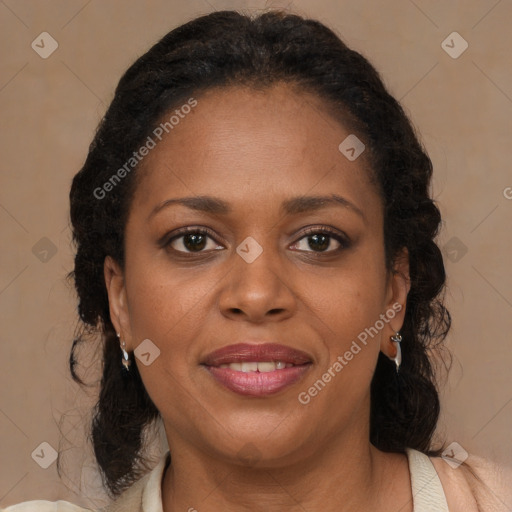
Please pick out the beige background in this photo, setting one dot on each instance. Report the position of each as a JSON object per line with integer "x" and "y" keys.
{"x": 50, "y": 108}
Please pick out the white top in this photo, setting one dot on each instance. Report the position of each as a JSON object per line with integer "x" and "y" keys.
{"x": 427, "y": 491}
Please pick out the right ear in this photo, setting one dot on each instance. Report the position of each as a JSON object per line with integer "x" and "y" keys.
{"x": 115, "y": 283}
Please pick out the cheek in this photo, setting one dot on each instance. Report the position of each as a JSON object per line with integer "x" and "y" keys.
{"x": 346, "y": 317}
{"x": 349, "y": 299}
{"x": 170, "y": 306}
{"x": 160, "y": 295}
{"x": 167, "y": 307}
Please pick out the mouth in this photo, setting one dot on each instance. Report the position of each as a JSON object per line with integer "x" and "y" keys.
{"x": 257, "y": 369}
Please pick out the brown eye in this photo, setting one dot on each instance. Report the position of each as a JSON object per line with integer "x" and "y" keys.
{"x": 193, "y": 241}
{"x": 321, "y": 240}
{"x": 318, "y": 243}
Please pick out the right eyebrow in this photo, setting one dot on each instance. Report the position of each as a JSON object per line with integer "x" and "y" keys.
{"x": 205, "y": 204}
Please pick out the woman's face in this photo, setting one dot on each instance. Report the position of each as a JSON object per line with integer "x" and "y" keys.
{"x": 257, "y": 277}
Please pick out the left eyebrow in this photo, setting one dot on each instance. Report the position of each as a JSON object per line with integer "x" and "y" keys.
{"x": 313, "y": 203}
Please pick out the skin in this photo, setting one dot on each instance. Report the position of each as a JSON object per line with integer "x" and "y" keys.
{"x": 255, "y": 149}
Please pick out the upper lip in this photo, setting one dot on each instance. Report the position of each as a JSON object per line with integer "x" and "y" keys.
{"x": 248, "y": 352}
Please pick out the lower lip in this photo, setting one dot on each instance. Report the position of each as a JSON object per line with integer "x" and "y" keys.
{"x": 256, "y": 383}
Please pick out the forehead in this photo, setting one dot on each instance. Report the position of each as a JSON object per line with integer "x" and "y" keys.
{"x": 249, "y": 144}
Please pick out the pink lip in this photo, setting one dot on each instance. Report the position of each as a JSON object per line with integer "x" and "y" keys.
{"x": 256, "y": 352}
{"x": 255, "y": 383}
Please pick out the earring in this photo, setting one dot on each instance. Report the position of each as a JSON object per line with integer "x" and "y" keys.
{"x": 396, "y": 339}
{"x": 126, "y": 358}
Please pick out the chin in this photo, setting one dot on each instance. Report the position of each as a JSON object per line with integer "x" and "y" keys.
{"x": 261, "y": 444}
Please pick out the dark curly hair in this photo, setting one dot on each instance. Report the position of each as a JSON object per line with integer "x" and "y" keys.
{"x": 230, "y": 49}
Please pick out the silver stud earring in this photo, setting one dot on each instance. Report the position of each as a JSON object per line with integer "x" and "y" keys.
{"x": 396, "y": 339}
{"x": 126, "y": 358}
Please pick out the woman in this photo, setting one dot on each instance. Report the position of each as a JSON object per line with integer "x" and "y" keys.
{"x": 255, "y": 244}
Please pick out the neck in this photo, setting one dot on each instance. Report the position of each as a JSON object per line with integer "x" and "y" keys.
{"x": 347, "y": 474}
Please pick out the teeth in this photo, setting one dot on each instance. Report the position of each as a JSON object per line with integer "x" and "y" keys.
{"x": 267, "y": 367}
{"x": 249, "y": 367}
{"x": 262, "y": 367}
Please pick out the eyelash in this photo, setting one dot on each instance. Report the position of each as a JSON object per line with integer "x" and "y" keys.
{"x": 342, "y": 239}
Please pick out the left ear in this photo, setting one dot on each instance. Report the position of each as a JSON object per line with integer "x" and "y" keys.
{"x": 398, "y": 287}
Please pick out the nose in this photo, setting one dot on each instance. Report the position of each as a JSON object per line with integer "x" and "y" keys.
{"x": 258, "y": 291}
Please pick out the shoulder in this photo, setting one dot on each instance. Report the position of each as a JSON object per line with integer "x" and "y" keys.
{"x": 145, "y": 494}
{"x": 131, "y": 499}
{"x": 476, "y": 484}
{"x": 45, "y": 506}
